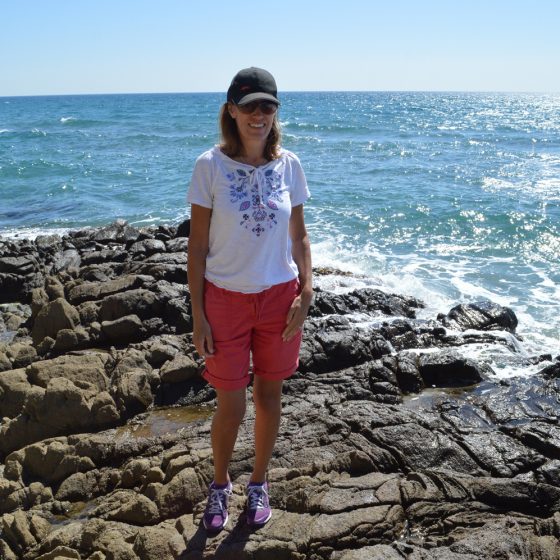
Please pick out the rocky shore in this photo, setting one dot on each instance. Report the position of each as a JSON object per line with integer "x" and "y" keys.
{"x": 393, "y": 445}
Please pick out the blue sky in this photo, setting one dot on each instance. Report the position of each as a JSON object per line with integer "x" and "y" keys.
{"x": 114, "y": 46}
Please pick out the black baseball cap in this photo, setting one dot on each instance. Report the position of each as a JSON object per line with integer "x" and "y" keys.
{"x": 251, "y": 84}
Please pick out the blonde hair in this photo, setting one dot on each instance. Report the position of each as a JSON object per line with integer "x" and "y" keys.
{"x": 231, "y": 142}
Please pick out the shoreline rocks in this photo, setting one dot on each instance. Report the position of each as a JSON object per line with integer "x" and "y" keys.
{"x": 392, "y": 443}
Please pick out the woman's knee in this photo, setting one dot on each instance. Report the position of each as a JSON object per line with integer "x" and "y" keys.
{"x": 231, "y": 407}
{"x": 267, "y": 395}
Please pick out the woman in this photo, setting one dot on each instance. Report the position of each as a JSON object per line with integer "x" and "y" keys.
{"x": 249, "y": 271}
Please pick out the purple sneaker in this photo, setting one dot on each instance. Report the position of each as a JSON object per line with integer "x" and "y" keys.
{"x": 258, "y": 506}
{"x": 216, "y": 513}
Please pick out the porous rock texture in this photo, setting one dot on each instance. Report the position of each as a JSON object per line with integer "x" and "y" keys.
{"x": 393, "y": 445}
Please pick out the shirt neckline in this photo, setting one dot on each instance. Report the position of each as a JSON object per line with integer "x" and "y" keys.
{"x": 235, "y": 162}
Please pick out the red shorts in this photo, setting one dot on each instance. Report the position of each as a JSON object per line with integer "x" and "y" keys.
{"x": 250, "y": 323}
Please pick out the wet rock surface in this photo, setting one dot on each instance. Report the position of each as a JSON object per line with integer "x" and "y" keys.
{"x": 393, "y": 445}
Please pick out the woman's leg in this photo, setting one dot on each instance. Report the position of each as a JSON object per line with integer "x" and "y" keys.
{"x": 225, "y": 425}
{"x": 267, "y": 396}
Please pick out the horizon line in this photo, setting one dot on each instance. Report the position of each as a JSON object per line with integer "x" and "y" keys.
{"x": 474, "y": 91}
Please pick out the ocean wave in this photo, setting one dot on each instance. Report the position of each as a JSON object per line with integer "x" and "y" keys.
{"x": 299, "y": 138}
{"x": 150, "y": 220}
{"x": 511, "y": 360}
{"x": 547, "y": 187}
{"x": 442, "y": 283}
{"x": 82, "y": 122}
{"x": 32, "y": 233}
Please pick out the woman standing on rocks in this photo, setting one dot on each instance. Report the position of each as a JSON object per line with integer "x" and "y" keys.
{"x": 249, "y": 270}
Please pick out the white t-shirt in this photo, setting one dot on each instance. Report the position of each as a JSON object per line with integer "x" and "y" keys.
{"x": 250, "y": 248}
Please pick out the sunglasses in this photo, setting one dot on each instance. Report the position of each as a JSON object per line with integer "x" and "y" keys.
{"x": 266, "y": 107}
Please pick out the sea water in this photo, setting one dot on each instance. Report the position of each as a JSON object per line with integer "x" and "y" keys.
{"x": 449, "y": 197}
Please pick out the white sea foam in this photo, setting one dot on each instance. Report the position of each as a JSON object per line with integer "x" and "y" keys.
{"x": 341, "y": 284}
{"x": 546, "y": 293}
{"x": 67, "y": 119}
{"x": 4, "y": 130}
{"x": 32, "y": 233}
{"x": 470, "y": 291}
{"x": 506, "y": 360}
{"x": 503, "y": 362}
{"x": 440, "y": 288}
{"x": 329, "y": 252}
{"x": 550, "y": 187}
{"x": 148, "y": 220}
{"x": 302, "y": 138}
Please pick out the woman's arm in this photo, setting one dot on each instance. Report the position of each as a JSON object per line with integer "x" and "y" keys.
{"x": 196, "y": 267}
{"x": 301, "y": 253}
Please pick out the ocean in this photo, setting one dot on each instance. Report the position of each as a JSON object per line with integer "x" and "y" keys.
{"x": 449, "y": 197}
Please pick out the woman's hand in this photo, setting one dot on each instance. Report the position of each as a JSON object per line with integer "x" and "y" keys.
{"x": 202, "y": 338}
{"x": 296, "y": 317}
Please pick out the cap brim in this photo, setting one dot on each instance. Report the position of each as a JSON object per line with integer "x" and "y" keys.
{"x": 257, "y": 97}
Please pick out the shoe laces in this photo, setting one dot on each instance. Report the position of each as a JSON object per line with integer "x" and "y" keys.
{"x": 256, "y": 496}
{"x": 217, "y": 500}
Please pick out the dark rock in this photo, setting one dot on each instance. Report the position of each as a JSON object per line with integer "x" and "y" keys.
{"x": 39, "y": 299}
{"x": 553, "y": 370}
{"x": 184, "y": 229}
{"x": 87, "y": 291}
{"x": 147, "y": 247}
{"x": 64, "y": 260}
{"x": 54, "y": 288}
{"x": 21, "y": 355}
{"x": 544, "y": 437}
{"x": 19, "y": 274}
{"x": 140, "y": 302}
{"x": 365, "y": 300}
{"x": 123, "y": 330}
{"x": 47, "y": 243}
{"x": 448, "y": 369}
{"x": 132, "y": 392}
{"x": 516, "y": 495}
{"x": 45, "y": 346}
{"x": 482, "y": 315}
{"x": 129, "y": 507}
{"x": 89, "y": 312}
{"x": 66, "y": 339}
{"x": 334, "y": 343}
{"x": 23, "y": 265}
{"x": 180, "y": 368}
{"x": 13, "y": 392}
{"x": 177, "y": 245}
{"x": 78, "y": 408}
{"x": 88, "y": 367}
{"x": 56, "y": 315}
{"x": 104, "y": 255}
{"x": 408, "y": 375}
{"x": 119, "y": 232}
{"x": 5, "y": 363}
{"x": 178, "y": 314}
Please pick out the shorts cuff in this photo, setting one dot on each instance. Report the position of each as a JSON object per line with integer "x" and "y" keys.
{"x": 276, "y": 375}
{"x": 226, "y": 384}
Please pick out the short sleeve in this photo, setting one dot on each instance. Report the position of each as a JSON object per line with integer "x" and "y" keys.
{"x": 200, "y": 190}
{"x": 299, "y": 191}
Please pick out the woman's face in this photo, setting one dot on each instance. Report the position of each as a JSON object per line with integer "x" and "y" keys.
{"x": 252, "y": 126}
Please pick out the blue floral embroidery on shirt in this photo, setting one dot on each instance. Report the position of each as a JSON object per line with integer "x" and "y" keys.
{"x": 256, "y": 214}
{"x": 238, "y": 188}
